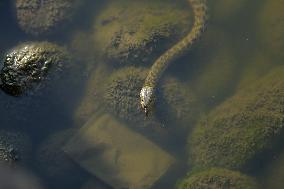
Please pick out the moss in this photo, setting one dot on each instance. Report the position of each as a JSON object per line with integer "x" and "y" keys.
{"x": 243, "y": 126}
{"x": 171, "y": 104}
{"x": 131, "y": 32}
{"x": 217, "y": 178}
{"x": 26, "y": 65}
{"x": 54, "y": 164}
{"x": 271, "y": 26}
{"x": 14, "y": 147}
{"x": 122, "y": 93}
{"x": 44, "y": 17}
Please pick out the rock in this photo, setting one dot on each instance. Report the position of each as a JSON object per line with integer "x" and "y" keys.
{"x": 138, "y": 32}
{"x": 29, "y": 64}
{"x": 217, "y": 178}
{"x": 118, "y": 92}
{"x": 117, "y": 155}
{"x": 242, "y": 127}
{"x": 15, "y": 147}
{"x": 38, "y": 17}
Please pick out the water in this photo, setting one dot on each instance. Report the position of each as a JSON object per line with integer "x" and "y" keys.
{"x": 113, "y": 43}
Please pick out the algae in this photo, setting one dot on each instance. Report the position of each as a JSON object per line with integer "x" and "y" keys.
{"x": 137, "y": 32}
{"x": 217, "y": 178}
{"x": 242, "y": 127}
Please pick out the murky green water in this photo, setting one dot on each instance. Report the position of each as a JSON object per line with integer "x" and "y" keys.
{"x": 217, "y": 119}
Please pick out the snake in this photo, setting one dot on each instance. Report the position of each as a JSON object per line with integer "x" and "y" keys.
{"x": 200, "y": 11}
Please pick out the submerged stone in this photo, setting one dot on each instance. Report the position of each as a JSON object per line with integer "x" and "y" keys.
{"x": 217, "y": 178}
{"x": 137, "y": 32}
{"x": 117, "y": 155}
{"x": 244, "y": 126}
{"x": 118, "y": 92}
{"x": 29, "y": 64}
{"x": 14, "y": 147}
{"x": 41, "y": 17}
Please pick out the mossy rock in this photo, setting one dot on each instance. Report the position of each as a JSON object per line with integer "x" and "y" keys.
{"x": 54, "y": 164}
{"x": 171, "y": 103}
{"x": 15, "y": 147}
{"x": 44, "y": 17}
{"x": 29, "y": 64}
{"x": 217, "y": 178}
{"x": 137, "y": 32}
{"x": 271, "y": 27}
{"x": 243, "y": 127}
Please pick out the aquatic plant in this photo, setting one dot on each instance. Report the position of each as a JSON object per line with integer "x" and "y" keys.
{"x": 271, "y": 27}
{"x": 28, "y": 64}
{"x": 41, "y": 17}
{"x": 242, "y": 127}
{"x": 137, "y": 32}
{"x": 217, "y": 178}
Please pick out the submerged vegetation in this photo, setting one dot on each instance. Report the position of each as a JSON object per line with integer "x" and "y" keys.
{"x": 242, "y": 127}
{"x": 217, "y": 178}
{"x": 137, "y": 32}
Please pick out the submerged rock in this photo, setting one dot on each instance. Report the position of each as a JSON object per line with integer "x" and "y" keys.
{"x": 137, "y": 32}
{"x": 118, "y": 92}
{"x": 14, "y": 147}
{"x": 29, "y": 64}
{"x": 243, "y": 127}
{"x": 116, "y": 154}
{"x": 271, "y": 27}
{"x": 41, "y": 17}
{"x": 217, "y": 178}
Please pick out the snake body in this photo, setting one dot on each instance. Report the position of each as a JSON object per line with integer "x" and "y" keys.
{"x": 200, "y": 12}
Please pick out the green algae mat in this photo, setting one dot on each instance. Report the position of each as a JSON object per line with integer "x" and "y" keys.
{"x": 117, "y": 155}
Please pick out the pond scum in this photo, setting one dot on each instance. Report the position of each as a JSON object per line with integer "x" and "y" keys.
{"x": 72, "y": 71}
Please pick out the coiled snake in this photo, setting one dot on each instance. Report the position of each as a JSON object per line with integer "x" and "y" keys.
{"x": 199, "y": 8}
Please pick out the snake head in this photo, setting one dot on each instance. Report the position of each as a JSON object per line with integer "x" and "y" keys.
{"x": 145, "y": 98}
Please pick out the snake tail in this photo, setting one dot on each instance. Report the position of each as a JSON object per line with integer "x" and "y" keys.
{"x": 200, "y": 12}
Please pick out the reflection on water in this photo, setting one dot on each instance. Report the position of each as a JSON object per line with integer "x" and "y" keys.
{"x": 218, "y": 110}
